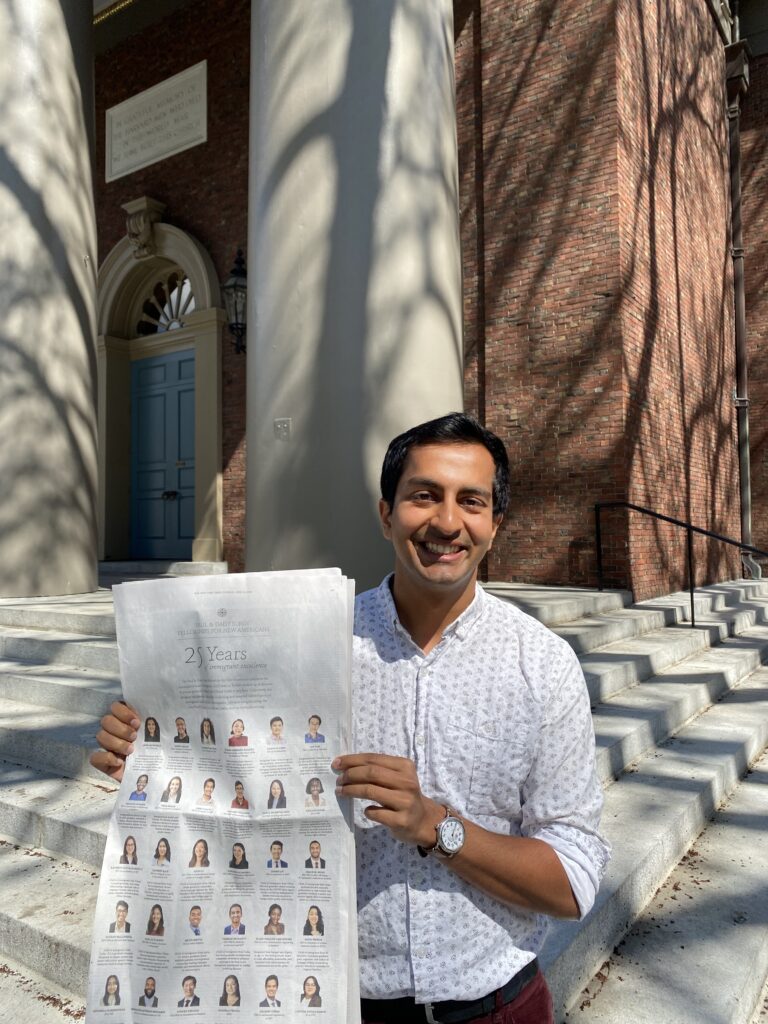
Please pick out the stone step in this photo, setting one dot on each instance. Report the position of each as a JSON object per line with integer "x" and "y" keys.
{"x": 59, "y": 741}
{"x": 82, "y": 613}
{"x": 713, "y": 598}
{"x": 652, "y": 815}
{"x": 54, "y": 647}
{"x": 701, "y": 944}
{"x": 68, "y": 817}
{"x": 27, "y": 997}
{"x": 554, "y": 605}
{"x": 632, "y": 722}
{"x": 46, "y": 913}
{"x": 57, "y": 686}
{"x": 160, "y": 567}
{"x": 618, "y": 666}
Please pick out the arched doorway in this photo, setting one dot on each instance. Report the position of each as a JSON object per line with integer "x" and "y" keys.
{"x": 159, "y": 395}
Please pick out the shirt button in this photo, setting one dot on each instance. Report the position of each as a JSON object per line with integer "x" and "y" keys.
{"x": 420, "y": 952}
{"x": 420, "y": 739}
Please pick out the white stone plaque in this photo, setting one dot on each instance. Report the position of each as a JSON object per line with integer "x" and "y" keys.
{"x": 157, "y": 123}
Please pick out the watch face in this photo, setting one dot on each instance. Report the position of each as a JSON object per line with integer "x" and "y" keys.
{"x": 451, "y": 835}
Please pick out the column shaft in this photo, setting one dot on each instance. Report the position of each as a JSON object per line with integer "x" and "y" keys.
{"x": 354, "y": 266}
{"x": 47, "y": 298}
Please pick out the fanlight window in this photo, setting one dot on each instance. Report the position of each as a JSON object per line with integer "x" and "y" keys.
{"x": 170, "y": 300}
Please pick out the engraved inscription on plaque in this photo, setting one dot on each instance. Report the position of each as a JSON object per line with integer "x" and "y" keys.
{"x": 157, "y": 123}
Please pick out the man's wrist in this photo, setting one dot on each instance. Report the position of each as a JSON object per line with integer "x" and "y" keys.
{"x": 433, "y": 815}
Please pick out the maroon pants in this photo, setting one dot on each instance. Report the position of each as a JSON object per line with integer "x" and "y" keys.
{"x": 532, "y": 1006}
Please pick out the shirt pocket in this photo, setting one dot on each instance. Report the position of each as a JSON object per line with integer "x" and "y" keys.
{"x": 490, "y": 768}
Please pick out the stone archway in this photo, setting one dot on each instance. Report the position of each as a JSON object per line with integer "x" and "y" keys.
{"x": 149, "y": 251}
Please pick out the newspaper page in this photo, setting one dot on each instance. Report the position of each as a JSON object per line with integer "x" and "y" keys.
{"x": 228, "y": 887}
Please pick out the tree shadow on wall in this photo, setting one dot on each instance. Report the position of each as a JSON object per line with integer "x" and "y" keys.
{"x": 47, "y": 287}
{"x": 604, "y": 332}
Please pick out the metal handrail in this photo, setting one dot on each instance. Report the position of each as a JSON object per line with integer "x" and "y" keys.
{"x": 688, "y": 527}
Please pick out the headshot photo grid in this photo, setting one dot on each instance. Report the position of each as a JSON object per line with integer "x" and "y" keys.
{"x": 229, "y": 863}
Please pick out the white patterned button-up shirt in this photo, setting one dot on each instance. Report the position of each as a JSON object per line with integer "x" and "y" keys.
{"x": 497, "y": 720}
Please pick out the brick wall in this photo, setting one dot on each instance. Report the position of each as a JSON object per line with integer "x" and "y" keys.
{"x": 597, "y": 290}
{"x": 205, "y": 189}
{"x": 754, "y": 145}
{"x": 677, "y": 296}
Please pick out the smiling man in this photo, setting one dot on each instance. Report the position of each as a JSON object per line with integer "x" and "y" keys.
{"x": 477, "y": 799}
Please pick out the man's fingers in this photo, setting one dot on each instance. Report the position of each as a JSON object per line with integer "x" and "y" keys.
{"x": 394, "y": 799}
{"x": 125, "y": 714}
{"x": 117, "y": 728}
{"x": 108, "y": 763}
{"x": 396, "y": 764}
{"x": 110, "y": 740}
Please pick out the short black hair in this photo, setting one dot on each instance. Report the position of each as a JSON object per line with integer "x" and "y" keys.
{"x": 454, "y": 428}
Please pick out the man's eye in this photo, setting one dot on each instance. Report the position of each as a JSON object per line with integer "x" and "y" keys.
{"x": 423, "y": 496}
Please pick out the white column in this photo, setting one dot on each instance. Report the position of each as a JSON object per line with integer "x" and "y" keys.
{"x": 354, "y": 268}
{"x": 47, "y": 300}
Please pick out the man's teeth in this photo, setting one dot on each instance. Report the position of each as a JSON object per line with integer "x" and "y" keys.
{"x": 441, "y": 549}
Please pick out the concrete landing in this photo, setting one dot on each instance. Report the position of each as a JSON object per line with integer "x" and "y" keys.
{"x": 698, "y": 954}
{"x": 29, "y": 998}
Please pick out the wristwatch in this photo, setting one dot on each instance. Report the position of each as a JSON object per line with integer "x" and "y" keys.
{"x": 450, "y": 833}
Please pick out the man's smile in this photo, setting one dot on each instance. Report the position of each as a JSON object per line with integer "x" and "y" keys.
{"x": 440, "y": 549}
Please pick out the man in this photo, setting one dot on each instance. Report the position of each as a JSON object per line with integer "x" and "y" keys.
{"x": 276, "y": 849}
{"x": 314, "y": 736}
{"x": 314, "y": 860}
{"x": 195, "y": 917}
{"x": 188, "y": 986}
{"x": 240, "y": 802}
{"x": 120, "y": 926}
{"x": 276, "y": 727}
{"x": 270, "y": 987}
{"x": 149, "y": 998}
{"x": 475, "y": 754}
{"x": 235, "y": 926}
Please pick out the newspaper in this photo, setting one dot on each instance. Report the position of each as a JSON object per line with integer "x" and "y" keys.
{"x": 228, "y": 884}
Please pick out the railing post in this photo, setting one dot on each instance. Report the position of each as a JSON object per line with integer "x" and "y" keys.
{"x": 691, "y": 587}
{"x": 599, "y": 547}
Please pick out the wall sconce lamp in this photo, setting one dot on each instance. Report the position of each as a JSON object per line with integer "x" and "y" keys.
{"x": 235, "y": 291}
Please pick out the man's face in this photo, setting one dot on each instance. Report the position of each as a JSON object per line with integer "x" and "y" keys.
{"x": 195, "y": 917}
{"x": 314, "y": 851}
{"x": 441, "y": 524}
{"x": 149, "y": 987}
{"x": 189, "y": 988}
{"x": 121, "y": 912}
{"x": 235, "y": 915}
{"x": 276, "y": 851}
{"x": 208, "y": 789}
{"x": 271, "y": 988}
{"x": 277, "y": 728}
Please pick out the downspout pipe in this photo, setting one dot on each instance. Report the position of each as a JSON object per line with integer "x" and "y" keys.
{"x": 737, "y": 81}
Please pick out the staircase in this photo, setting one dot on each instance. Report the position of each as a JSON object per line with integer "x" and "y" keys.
{"x": 681, "y": 718}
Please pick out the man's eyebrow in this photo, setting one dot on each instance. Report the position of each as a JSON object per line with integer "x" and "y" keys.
{"x": 423, "y": 481}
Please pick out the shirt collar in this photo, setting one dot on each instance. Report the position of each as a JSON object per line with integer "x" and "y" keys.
{"x": 459, "y": 627}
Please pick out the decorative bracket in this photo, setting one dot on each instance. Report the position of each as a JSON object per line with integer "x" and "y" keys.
{"x": 142, "y": 215}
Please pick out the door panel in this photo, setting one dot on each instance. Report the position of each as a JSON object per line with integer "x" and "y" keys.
{"x": 163, "y": 456}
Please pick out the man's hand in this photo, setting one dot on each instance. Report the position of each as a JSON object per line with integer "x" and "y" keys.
{"x": 516, "y": 870}
{"x": 393, "y": 787}
{"x": 116, "y": 736}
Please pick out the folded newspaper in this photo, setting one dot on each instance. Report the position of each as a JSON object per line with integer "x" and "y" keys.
{"x": 228, "y": 884}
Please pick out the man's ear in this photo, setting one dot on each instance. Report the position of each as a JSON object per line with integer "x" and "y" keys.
{"x": 385, "y": 516}
{"x": 496, "y": 524}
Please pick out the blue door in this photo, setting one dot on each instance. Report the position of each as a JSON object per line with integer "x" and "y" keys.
{"x": 163, "y": 456}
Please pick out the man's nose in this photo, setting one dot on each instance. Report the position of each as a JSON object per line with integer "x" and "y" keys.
{"x": 446, "y": 517}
